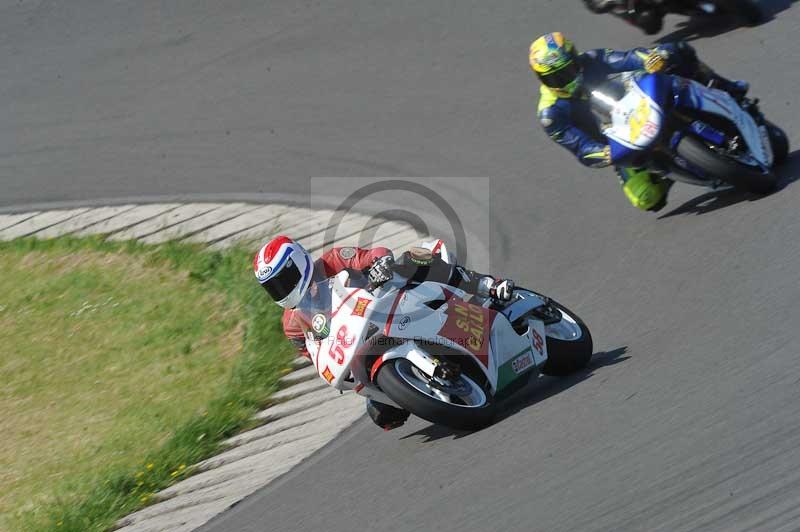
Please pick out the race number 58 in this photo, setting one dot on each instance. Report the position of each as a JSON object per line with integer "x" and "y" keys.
{"x": 336, "y": 352}
{"x": 538, "y": 343}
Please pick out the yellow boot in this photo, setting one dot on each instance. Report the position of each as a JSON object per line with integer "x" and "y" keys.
{"x": 643, "y": 190}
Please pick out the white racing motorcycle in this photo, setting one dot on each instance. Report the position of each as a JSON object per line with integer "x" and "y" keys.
{"x": 433, "y": 350}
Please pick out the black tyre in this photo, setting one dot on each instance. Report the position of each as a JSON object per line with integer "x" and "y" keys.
{"x": 650, "y": 21}
{"x": 780, "y": 144}
{"x": 724, "y": 168}
{"x": 407, "y": 386}
{"x": 567, "y": 357}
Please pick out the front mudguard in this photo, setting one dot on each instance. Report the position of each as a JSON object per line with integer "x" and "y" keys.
{"x": 427, "y": 363}
{"x": 411, "y": 352}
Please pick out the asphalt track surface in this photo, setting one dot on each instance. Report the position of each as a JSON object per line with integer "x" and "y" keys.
{"x": 689, "y": 417}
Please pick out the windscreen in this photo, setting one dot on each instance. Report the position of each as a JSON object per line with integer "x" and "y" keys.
{"x": 313, "y": 313}
{"x": 604, "y": 98}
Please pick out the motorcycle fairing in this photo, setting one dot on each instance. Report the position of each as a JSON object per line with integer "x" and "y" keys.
{"x": 694, "y": 95}
{"x": 472, "y": 329}
{"x": 523, "y": 354}
{"x": 430, "y": 311}
{"x": 351, "y": 309}
{"x": 636, "y": 119}
{"x": 454, "y": 322}
{"x": 707, "y": 132}
{"x": 525, "y": 302}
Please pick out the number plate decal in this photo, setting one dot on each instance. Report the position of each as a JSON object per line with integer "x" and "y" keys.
{"x": 538, "y": 341}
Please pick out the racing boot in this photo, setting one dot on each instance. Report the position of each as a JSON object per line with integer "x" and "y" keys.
{"x": 386, "y": 416}
{"x": 701, "y": 72}
{"x": 643, "y": 189}
{"x": 735, "y": 87}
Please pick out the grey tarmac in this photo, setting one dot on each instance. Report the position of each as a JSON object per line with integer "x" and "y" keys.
{"x": 689, "y": 421}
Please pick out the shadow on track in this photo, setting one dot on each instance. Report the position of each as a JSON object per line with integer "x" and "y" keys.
{"x": 528, "y": 396}
{"x": 711, "y": 201}
{"x": 789, "y": 172}
{"x": 700, "y": 27}
{"x": 550, "y": 386}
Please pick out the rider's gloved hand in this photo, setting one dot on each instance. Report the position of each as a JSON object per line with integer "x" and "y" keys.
{"x": 607, "y": 155}
{"x": 502, "y": 289}
{"x": 381, "y": 270}
{"x": 656, "y": 61}
{"x": 598, "y": 159}
{"x": 497, "y": 289}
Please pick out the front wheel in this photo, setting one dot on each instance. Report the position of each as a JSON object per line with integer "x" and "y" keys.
{"x": 460, "y": 403}
{"x": 724, "y": 168}
{"x": 569, "y": 344}
{"x": 780, "y": 144}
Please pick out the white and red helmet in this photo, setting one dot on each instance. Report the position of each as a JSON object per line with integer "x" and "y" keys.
{"x": 284, "y": 268}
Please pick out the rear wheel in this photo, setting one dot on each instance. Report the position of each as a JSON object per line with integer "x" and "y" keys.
{"x": 569, "y": 349}
{"x": 724, "y": 168}
{"x": 459, "y": 403}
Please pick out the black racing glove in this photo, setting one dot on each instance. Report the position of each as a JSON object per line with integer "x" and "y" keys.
{"x": 497, "y": 289}
{"x": 381, "y": 270}
{"x": 502, "y": 290}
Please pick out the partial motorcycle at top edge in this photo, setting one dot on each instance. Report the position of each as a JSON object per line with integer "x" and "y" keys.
{"x": 649, "y": 14}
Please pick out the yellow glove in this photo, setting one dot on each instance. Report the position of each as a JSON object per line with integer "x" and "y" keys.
{"x": 655, "y": 61}
{"x": 599, "y": 159}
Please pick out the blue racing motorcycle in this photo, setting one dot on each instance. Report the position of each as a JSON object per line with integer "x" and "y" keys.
{"x": 696, "y": 134}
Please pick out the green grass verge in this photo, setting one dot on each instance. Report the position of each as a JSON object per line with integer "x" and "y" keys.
{"x": 61, "y": 270}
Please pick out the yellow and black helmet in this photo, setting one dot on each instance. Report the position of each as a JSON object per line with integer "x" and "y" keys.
{"x": 554, "y": 59}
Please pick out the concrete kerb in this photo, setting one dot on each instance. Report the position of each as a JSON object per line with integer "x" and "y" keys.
{"x": 40, "y": 221}
{"x": 201, "y": 223}
{"x": 328, "y": 419}
{"x": 296, "y": 405}
{"x": 10, "y": 220}
{"x": 302, "y": 375}
{"x": 281, "y": 424}
{"x": 82, "y": 221}
{"x": 129, "y": 218}
{"x": 165, "y": 220}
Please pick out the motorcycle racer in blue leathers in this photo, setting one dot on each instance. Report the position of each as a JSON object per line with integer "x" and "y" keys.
{"x": 564, "y": 108}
